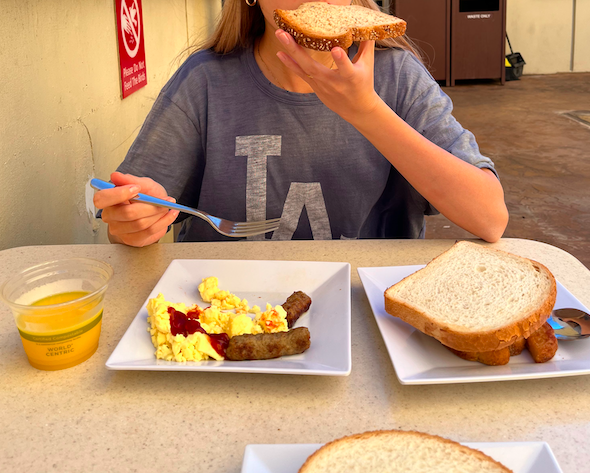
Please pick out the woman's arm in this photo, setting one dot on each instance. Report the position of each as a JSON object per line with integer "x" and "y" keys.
{"x": 162, "y": 162}
{"x": 470, "y": 197}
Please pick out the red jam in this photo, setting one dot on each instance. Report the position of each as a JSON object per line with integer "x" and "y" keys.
{"x": 187, "y": 324}
{"x": 219, "y": 342}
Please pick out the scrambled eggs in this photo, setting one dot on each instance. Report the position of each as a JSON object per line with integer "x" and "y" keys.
{"x": 227, "y": 314}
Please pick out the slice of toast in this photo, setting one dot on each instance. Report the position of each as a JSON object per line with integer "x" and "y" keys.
{"x": 385, "y": 451}
{"x": 475, "y": 299}
{"x": 321, "y": 26}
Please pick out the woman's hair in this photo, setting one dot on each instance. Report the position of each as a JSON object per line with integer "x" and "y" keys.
{"x": 239, "y": 25}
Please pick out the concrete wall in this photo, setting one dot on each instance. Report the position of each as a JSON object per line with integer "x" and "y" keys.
{"x": 62, "y": 119}
{"x": 552, "y": 35}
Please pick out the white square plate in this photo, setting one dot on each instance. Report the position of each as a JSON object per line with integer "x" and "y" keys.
{"x": 420, "y": 359}
{"x": 328, "y": 319}
{"x": 520, "y": 457}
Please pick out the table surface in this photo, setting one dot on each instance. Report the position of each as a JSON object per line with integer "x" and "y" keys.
{"x": 88, "y": 418}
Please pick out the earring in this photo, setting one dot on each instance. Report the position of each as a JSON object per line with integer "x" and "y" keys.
{"x": 251, "y": 3}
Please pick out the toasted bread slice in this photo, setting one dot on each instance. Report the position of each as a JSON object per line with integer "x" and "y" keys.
{"x": 475, "y": 299}
{"x": 388, "y": 451}
{"x": 321, "y": 26}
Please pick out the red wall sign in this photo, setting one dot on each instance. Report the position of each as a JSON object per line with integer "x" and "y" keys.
{"x": 131, "y": 50}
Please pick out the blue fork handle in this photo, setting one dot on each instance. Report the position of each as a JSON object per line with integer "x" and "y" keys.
{"x": 101, "y": 185}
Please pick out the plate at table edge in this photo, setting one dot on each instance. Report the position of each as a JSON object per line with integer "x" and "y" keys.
{"x": 258, "y": 281}
{"x": 420, "y": 359}
{"x": 521, "y": 457}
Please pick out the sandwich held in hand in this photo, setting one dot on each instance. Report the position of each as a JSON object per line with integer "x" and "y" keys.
{"x": 476, "y": 299}
{"x": 390, "y": 451}
{"x": 321, "y": 26}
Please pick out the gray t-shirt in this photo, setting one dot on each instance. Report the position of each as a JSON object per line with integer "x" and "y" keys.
{"x": 222, "y": 138}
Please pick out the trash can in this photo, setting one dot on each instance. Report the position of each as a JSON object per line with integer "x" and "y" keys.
{"x": 429, "y": 23}
{"x": 478, "y": 31}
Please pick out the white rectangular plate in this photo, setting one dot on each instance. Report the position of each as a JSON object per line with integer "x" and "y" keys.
{"x": 328, "y": 319}
{"x": 520, "y": 457}
{"x": 420, "y": 359}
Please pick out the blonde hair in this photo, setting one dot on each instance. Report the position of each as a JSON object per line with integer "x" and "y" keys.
{"x": 239, "y": 25}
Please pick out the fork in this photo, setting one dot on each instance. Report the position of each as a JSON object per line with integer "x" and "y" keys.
{"x": 225, "y": 227}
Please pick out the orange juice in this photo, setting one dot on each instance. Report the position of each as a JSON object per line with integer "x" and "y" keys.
{"x": 57, "y": 308}
{"x": 64, "y": 337}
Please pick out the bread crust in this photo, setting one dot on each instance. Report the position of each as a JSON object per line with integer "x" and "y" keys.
{"x": 312, "y": 40}
{"x": 308, "y": 466}
{"x": 482, "y": 341}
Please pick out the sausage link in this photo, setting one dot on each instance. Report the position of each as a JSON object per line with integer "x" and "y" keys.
{"x": 542, "y": 344}
{"x": 296, "y": 305}
{"x": 517, "y": 347}
{"x": 492, "y": 358}
{"x": 264, "y": 346}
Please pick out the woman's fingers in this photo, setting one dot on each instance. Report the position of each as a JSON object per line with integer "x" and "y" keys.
{"x": 291, "y": 64}
{"x": 146, "y": 224}
{"x": 296, "y": 55}
{"x": 290, "y": 45}
{"x": 134, "y": 223}
{"x": 127, "y": 187}
{"x": 148, "y": 186}
{"x": 128, "y": 212}
{"x": 361, "y": 65}
{"x": 135, "y": 217}
{"x": 297, "y": 59}
{"x": 119, "y": 226}
{"x": 150, "y": 235}
{"x": 341, "y": 60}
{"x": 115, "y": 196}
{"x": 360, "y": 69}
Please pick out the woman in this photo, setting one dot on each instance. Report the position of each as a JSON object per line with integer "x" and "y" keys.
{"x": 341, "y": 144}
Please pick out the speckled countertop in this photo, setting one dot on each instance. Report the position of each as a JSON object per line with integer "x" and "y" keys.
{"x": 88, "y": 418}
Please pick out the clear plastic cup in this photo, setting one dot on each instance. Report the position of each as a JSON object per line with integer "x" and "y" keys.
{"x": 58, "y": 308}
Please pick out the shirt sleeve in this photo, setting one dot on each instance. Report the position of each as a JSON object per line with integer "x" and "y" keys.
{"x": 422, "y": 104}
{"x": 169, "y": 150}
{"x": 426, "y": 108}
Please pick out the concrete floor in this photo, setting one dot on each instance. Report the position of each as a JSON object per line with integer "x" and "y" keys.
{"x": 542, "y": 156}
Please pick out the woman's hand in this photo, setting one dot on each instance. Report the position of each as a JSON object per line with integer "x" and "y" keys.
{"x": 133, "y": 223}
{"x": 348, "y": 90}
